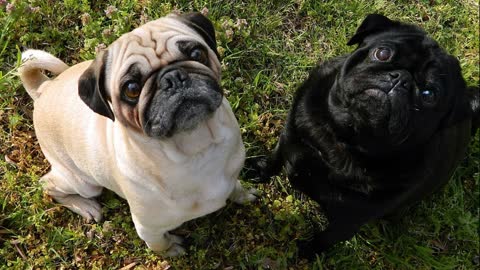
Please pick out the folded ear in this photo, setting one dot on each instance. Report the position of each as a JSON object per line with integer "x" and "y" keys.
{"x": 371, "y": 24}
{"x": 91, "y": 87}
{"x": 203, "y": 26}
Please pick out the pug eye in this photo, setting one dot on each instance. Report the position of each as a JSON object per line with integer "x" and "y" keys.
{"x": 428, "y": 96}
{"x": 199, "y": 55}
{"x": 382, "y": 54}
{"x": 132, "y": 91}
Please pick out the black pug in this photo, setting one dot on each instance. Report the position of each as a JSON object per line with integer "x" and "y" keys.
{"x": 375, "y": 131}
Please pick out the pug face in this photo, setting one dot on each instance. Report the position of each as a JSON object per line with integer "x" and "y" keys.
{"x": 159, "y": 79}
{"x": 396, "y": 89}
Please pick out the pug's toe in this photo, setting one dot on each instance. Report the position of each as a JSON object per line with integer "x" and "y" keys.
{"x": 175, "y": 239}
{"x": 258, "y": 169}
{"x": 253, "y": 168}
{"x": 243, "y": 196}
{"x": 251, "y": 195}
{"x": 168, "y": 245}
{"x": 175, "y": 250}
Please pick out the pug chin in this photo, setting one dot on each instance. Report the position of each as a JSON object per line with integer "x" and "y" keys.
{"x": 190, "y": 114}
{"x": 375, "y": 94}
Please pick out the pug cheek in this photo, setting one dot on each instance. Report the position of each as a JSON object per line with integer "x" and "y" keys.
{"x": 157, "y": 119}
{"x": 339, "y": 98}
{"x": 127, "y": 115}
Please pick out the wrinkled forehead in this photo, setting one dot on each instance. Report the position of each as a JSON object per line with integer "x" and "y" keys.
{"x": 154, "y": 45}
{"x": 411, "y": 40}
{"x": 411, "y": 48}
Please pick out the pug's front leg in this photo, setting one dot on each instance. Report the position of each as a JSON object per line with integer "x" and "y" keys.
{"x": 167, "y": 244}
{"x": 242, "y": 195}
{"x": 260, "y": 169}
{"x": 158, "y": 238}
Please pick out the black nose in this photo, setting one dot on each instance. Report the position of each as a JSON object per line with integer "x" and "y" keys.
{"x": 400, "y": 78}
{"x": 177, "y": 78}
{"x": 394, "y": 75}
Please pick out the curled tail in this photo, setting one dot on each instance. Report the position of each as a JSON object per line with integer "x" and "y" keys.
{"x": 34, "y": 62}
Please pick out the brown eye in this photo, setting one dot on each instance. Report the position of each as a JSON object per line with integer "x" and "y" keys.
{"x": 199, "y": 55}
{"x": 382, "y": 54}
{"x": 132, "y": 90}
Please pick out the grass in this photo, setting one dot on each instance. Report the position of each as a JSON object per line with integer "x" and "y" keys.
{"x": 263, "y": 62}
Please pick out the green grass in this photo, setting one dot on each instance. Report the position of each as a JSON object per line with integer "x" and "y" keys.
{"x": 263, "y": 63}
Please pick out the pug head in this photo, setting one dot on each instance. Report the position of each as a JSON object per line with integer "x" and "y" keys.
{"x": 159, "y": 79}
{"x": 396, "y": 89}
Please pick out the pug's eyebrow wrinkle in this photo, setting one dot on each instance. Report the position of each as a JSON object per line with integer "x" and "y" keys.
{"x": 154, "y": 40}
{"x": 144, "y": 57}
{"x": 166, "y": 47}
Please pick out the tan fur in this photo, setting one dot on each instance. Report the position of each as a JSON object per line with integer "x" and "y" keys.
{"x": 34, "y": 61}
{"x": 166, "y": 182}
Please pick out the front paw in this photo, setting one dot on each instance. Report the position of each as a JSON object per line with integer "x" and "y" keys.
{"x": 245, "y": 196}
{"x": 242, "y": 195}
{"x": 87, "y": 208}
{"x": 173, "y": 243}
{"x": 176, "y": 249}
{"x": 256, "y": 169}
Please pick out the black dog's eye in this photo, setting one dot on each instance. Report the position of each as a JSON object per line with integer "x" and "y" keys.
{"x": 382, "y": 54}
{"x": 132, "y": 90}
{"x": 428, "y": 96}
{"x": 199, "y": 55}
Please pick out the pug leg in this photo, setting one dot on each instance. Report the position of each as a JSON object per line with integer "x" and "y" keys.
{"x": 242, "y": 195}
{"x": 169, "y": 245}
{"x": 345, "y": 218}
{"x": 158, "y": 239}
{"x": 57, "y": 187}
{"x": 261, "y": 168}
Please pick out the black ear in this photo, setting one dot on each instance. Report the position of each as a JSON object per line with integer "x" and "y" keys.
{"x": 91, "y": 87}
{"x": 202, "y": 26}
{"x": 372, "y": 23}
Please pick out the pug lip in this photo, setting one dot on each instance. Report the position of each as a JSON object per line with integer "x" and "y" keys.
{"x": 208, "y": 106}
{"x": 374, "y": 92}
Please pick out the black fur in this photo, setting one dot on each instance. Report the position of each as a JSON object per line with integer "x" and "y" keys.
{"x": 203, "y": 26}
{"x": 362, "y": 137}
{"x": 91, "y": 87}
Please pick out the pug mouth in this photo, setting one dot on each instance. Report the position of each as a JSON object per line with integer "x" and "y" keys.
{"x": 374, "y": 93}
{"x": 381, "y": 98}
{"x": 181, "y": 106}
{"x": 192, "y": 112}
{"x": 372, "y": 97}
{"x": 186, "y": 117}
{"x": 385, "y": 112}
